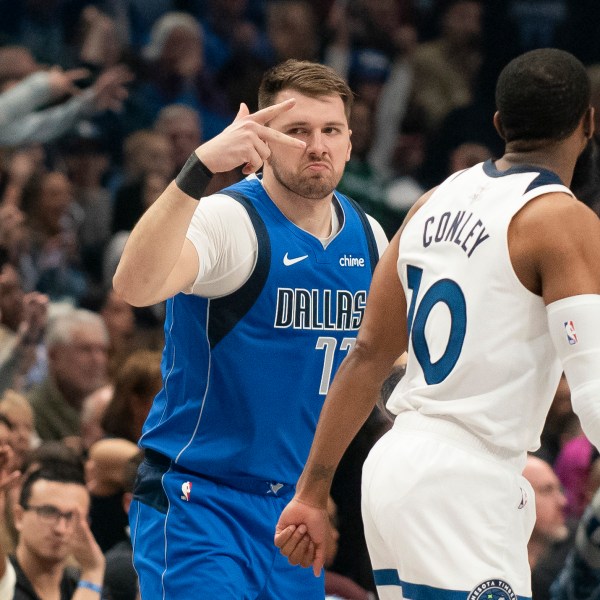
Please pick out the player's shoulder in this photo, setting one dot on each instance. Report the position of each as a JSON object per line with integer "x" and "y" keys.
{"x": 553, "y": 227}
{"x": 555, "y": 213}
{"x": 221, "y": 204}
{"x": 223, "y": 216}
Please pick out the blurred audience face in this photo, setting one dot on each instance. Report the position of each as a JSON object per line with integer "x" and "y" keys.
{"x": 550, "y": 502}
{"x": 87, "y": 167}
{"x": 43, "y": 536}
{"x": 158, "y": 156}
{"x": 80, "y": 365}
{"x": 18, "y": 411}
{"x": 291, "y": 30}
{"x": 56, "y": 195}
{"x": 147, "y": 151}
{"x": 462, "y": 23}
{"x": 183, "y": 129}
{"x": 105, "y": 467}
{"x": 182, "y": 53}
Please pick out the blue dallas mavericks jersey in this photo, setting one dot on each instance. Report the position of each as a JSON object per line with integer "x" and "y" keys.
{"x": 245, "y": 376}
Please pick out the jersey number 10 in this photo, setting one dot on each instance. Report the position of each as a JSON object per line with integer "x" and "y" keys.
{"x": 448, "y": 292}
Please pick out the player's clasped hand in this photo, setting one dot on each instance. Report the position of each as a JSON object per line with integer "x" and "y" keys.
{"x": 246, "y": 140}
{"x": 302, "y": 533}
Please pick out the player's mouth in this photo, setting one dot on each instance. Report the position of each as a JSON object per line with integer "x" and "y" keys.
{"x": 318, "y": 166}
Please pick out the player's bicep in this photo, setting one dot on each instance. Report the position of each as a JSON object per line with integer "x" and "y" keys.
{"x": 568, "y": 254}
{"x": 184, "y": 273}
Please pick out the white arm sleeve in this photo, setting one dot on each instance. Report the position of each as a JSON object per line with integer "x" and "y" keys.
{"x": 574, "y": 324}
{"x": 8, "y": 581}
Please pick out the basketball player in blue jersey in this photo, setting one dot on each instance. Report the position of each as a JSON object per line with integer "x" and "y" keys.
{"x": 493, "y": 286}
{"x": 266, "y": 284}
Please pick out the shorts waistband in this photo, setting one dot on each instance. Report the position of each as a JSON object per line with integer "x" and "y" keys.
{"x": 455, "y": 432}
{"x": 243, "y": 484}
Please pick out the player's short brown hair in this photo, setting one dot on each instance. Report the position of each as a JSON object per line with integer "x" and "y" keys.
{"x": 306, "y": 77}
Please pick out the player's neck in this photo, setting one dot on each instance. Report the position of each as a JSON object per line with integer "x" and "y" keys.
{"x": 553, "y": 157}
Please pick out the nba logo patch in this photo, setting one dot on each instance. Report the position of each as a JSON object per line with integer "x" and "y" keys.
{"x": 186, "y": 490}
{"x": 571, "y": 333}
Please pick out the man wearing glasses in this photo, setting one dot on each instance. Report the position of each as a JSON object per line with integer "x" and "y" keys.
{"x": 51, "y": 519}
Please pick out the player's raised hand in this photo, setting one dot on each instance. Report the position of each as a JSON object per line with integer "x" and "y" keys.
{"x": 246, "y": 140}
{"x": 302, "y": 534}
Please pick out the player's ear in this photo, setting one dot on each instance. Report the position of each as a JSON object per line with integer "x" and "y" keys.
{"x": 18, "y": 512}
{"x": 498, "y": 125}
{"x": 349, "y": 145}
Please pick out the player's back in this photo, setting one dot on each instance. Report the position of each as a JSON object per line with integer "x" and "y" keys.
{"x": 479, "y": 348}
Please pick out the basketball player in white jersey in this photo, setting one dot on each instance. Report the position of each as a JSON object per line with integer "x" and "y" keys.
{"x": 493, "y": 287}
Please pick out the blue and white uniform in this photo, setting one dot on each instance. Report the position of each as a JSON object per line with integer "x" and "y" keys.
{"x": 481, "y": 374}
{"x": 245, "y": 376}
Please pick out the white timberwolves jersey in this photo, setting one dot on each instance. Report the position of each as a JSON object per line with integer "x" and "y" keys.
{"x": 479, "y": 348}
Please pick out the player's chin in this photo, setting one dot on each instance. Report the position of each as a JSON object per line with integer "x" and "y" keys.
{"x": 318, "y": 187}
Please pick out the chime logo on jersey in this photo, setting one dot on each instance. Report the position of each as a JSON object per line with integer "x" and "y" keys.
{"x": 571, "y": 333}
{"x": 493, "y": 589}
{"x": 348, "y": 260}
{"x": 186, "y": 490}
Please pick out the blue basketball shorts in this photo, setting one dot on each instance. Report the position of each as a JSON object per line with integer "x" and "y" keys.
{"x": 194, "y": 537}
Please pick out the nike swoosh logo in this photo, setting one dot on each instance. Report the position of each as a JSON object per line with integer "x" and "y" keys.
{"x": 292, "y": 261}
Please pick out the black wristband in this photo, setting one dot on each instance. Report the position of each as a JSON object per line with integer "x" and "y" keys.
{"x": 194, "y": 177}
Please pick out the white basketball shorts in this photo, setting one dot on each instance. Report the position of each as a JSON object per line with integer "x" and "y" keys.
{"x": 445, "y": 517}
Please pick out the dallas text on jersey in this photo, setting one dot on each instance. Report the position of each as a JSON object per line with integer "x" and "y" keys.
{"x": 336, "y": 310}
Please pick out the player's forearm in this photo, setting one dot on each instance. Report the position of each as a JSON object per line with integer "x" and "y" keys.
{"x": 351, "y": 399}
{"x": 154, "y": 247}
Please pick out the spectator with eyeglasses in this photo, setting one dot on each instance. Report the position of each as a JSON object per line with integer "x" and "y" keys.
{"x": 52, "y": 521}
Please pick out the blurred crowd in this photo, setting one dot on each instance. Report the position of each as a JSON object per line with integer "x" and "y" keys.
{"x": 102, "y": 102}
